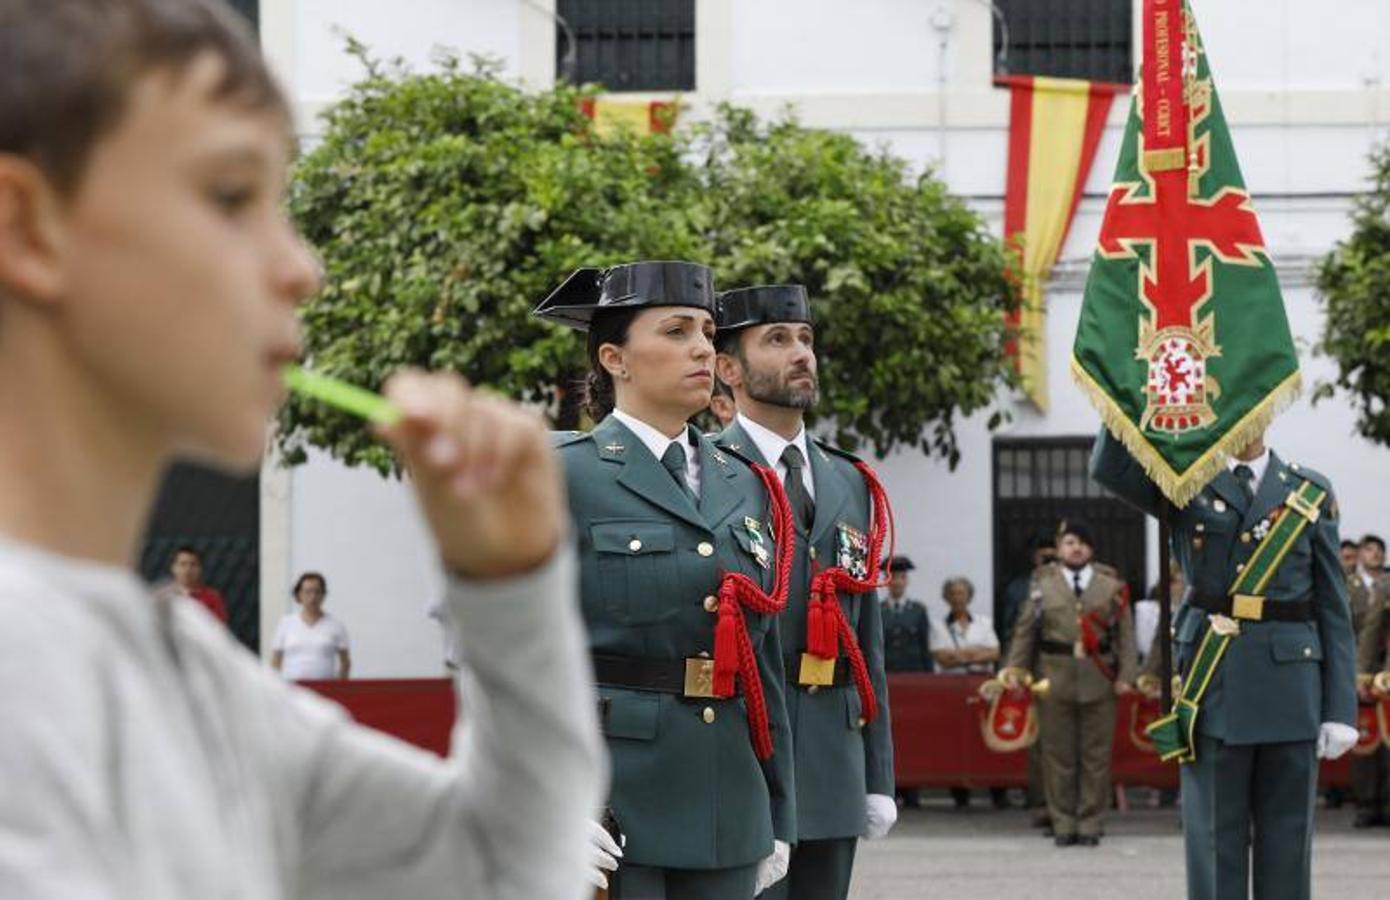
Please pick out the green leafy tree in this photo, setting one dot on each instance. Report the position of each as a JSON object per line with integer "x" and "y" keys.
{"x": 908, "y": 285}
{"x": 1354, "y": 280}
{"x": 446, "y": 204}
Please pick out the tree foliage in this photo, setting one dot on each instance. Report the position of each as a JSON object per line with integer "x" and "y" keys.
{"x": 1354, "y": 280}
{"x": 446, "y": 204}
{"x": 908, "y": 286}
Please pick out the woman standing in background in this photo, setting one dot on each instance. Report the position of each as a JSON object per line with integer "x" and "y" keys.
{"x": 311, "y": 645}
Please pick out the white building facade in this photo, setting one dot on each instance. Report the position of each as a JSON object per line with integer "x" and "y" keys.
{"x": 1306, "y": 90}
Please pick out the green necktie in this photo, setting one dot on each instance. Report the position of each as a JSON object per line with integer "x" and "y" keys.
{"x": 1246, "y": 476}
{"x": 674, "y": 461}
{"x": 802, "y": 506}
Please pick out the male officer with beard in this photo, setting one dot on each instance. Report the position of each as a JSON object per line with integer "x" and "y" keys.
{"x": 837, "y": 693}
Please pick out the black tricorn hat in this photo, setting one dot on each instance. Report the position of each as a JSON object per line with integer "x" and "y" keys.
{"x": 630, "y": 286}
{"x": 763, "y": 305}
{"x": 1080, "y": 529}
{"x": 899, "y": 564}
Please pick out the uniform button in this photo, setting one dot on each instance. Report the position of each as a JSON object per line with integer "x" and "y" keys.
{"x": 1245, "y": 537}
{"x": 634, "y": 545}
{"x": 705, "y": 549}
{"x": 813, "y": 689}
{"x": 1307, "y": 651}
{"x": 711, "y": 603}
{"x": 813, "y": 552}
{"x": 1201, "y": 526}
{"x": 861, "y": 723}
{"x": 708, "y": 715}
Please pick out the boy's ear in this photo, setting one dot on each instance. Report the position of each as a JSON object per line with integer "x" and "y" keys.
{"x": 30, "y": 232}
{"x": 728, "y": 370}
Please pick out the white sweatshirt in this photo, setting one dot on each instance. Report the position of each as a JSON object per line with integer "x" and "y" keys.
{"x": 144, "y": 755}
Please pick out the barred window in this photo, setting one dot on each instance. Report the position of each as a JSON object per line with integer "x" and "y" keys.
{"x": 1089, "y": 39}
{"x": 1038, "y": 482}
{"x": 627, "y": 45}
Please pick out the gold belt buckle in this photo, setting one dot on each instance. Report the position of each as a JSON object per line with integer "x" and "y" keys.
{"x": 1248, "y": 607}
{"x": 816, "y": 671}
{"x": 699, "y": 678}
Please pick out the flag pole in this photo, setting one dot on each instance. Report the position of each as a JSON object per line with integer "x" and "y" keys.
{"x": 1165, "y": 604}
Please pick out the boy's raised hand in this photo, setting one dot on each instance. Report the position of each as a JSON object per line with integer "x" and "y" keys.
{"x": 483, "y": 469}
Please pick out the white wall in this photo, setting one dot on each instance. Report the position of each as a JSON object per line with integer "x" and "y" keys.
{"x": 1306, "y": 89}
{"x": 364, "y": 534}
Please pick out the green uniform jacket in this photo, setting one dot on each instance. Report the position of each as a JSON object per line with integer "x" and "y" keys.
{"x": 1073, "y": 680}
{"x": 838, "y": 761}
{"x": 1278, "y": 680}
{"x": 688, "y": 790}
{"x": 1373, "y": 634}
{"x": 906, "y": 637}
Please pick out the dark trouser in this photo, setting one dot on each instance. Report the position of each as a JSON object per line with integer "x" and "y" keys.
{"x": 1037, "y": 797}
{"x": 1249, "y": 807}
{"x": 819, "y": 870}
{"x": 643, "y": 883}
{"x": 1077, "y": 739}
{"x": 1369, "y": 786}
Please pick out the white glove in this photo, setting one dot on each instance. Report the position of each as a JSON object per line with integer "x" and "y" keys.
{"x": 774, "y": 868}
{"x": 604, "y": 855}
{"x": 880, "y": 812}
{"x": 1335, "y": 739}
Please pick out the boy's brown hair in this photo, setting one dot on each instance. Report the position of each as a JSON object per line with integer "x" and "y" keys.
{"x": 66, "y": 67}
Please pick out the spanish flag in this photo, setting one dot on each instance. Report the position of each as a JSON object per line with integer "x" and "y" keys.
{"x": 1055, "y": 126}
{"x": 642, "y": 117}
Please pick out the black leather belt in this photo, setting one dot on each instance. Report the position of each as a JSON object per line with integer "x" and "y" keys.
{"x": 1255, "y": 609}
{"x": 843, "y": 674}
{"x": 683, "y": 677}
{"x": 1062, "y": 648}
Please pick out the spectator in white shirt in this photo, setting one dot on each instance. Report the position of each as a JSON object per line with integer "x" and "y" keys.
{"x": 311, "y": 645}
{"x": 963, "y": 643}
{"x": 1146, "y": 615}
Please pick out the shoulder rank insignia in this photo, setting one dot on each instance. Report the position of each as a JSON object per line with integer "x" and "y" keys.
{"x": 756, "y": 542}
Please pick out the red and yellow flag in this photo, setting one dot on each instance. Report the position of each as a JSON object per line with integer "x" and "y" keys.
{"x": 643, "y": 116}
{"x": 1055, "y": 126}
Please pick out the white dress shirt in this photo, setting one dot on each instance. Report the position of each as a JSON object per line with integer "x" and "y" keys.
{"x": 658, "y": 443}
{"x": 772, "y": 445}
{"x": 1258, "y": 465}
{"x": 974, "y": 632}
{"x": 1085, "y": 572}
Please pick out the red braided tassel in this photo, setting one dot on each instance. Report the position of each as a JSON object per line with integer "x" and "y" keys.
{"x": 867, "y": 701}
{"x": 827, "y": 627}
{"x": 816, "y": 614}
{"x": 733, "y": 649}
{"x": 726, "y": 633}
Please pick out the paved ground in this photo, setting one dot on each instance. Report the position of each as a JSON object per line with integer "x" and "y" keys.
{"x": 978, "y": 854}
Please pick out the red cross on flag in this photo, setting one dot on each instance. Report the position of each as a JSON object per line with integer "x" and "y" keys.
{"x": 1183, "y": 343}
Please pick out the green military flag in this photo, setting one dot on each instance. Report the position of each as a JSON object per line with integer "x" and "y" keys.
{"x": 1183, "y": 344}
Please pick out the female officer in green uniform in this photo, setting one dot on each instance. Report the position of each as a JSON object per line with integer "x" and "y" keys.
{"x": 679, "y": 585}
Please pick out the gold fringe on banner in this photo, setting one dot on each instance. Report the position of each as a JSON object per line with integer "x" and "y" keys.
{"x": 1181, "y": 488}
